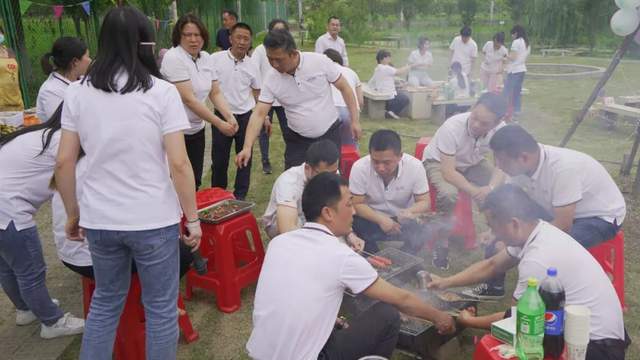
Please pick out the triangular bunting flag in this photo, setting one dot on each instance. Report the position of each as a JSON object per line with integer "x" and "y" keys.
{"x": 87, "y": 7}
{"x": 57, "y": 11}
{"x": 24, "y": 6}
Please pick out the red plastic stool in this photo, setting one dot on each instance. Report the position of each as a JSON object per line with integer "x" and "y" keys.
{"x": 421, "y": 145}
{"x": 130, "y": 335}
{"x": 610, "y": 255}
{"x": 484, "y": 346}
{"x": 235, "y": 254}
{"x": 348, "y": 156}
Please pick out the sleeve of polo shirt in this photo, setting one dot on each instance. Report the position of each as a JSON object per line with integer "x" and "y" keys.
{"x": 68, "y": 118}
{"x": 474, "y": 53}
{"x": 173, "y": 116}
{"x": 266, "y": 95}
{"x": 446, "y": 141}
{"x": 412, "y": 58}
{"x": 285, "y": 195}
{"x": 358, "y": 179}
{"x": 528, "y": 269}
{"x": 173, "y": 69}
{"x": 566, "y": 187}
{"x": 356, "y": 273}
{"x": 420, "y": 185}
{"x": 452, "y": 46}
{"x": 256, "y": 81}
{"x": 331, "y": 70}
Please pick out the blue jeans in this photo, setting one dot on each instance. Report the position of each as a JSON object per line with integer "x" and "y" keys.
{"x": 592, "y": 231}
{"x": 513, "y": 90}
{"x": 23, "y": 273}
{"x": 155, "y": 253}
{"x": 264, "y": 137}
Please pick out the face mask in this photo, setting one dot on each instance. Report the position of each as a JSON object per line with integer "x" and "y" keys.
{"x": 1, "y": 39}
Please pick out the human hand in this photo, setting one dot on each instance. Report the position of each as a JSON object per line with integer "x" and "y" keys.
{"x": 444, "y": 323}
{"x": 466, "y": 315}
{"x": 243, "y": 157}
{"x": 481, "y": 193}
{"x": 193, "y": 235}
{"x": 355, "y": 242}
{"x": 73, "y": 230}
{"x": 486, "y": 238}
{"x": 267, "y": 125}
{"x": 356, "y": 130}
{"x": 227, "y": 128}
{"x": 437, "y": 283}
{"x": 389, "y": 226}
{"x": 406, "y": 215}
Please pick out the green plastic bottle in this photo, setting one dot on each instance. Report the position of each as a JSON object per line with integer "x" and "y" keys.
{"x": 530, "y": 324}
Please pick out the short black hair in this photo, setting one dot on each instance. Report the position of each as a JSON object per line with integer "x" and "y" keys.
{"x": 381, "y": 54}
{"x": 334, "y": 56}
{"x": 510, "y": 201}
{"x": 275, "y": 22}
{"x": 63, "y": 51}
{"x": 498, "y": 37}
{"x": 230, "y": 12}
{"x": 322, "y": 151}
{"x": 465, "y": 31}
{"x": 495, "y": 103}
{"x": 513, "y": 140}
{"x": 185, "y": 19}
{"x": 422, "y": 40}
{"x": 241, "y": 25}
{"x": 321, "y": 191}
{"x": 332, "y": 17}
{"x": 280, "y": 39}
{"x": 385, "y": 139}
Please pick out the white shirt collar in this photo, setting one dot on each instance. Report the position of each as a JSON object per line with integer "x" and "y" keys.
{"x": 185, "y": 53}
{"x": 521, "y": 250}
{"x": 235, "y": 60}
{"x": 542, "y": 158}
{"x": 318, "y": 226}
{"x": 60, "y": 77}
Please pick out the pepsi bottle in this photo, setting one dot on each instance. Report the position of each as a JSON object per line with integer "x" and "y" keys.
{"x": 552, "y": 293}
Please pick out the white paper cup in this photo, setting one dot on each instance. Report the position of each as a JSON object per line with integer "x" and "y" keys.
{"x": 576, "y": 351}
{"x": 576, "y": 324}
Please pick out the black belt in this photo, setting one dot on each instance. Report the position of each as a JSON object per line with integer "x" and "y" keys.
{"x": 615, "y": 343}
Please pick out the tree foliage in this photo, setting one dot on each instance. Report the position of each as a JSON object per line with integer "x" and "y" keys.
{"x": 467, "y": 9}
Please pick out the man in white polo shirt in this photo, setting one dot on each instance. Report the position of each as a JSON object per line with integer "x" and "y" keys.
{"x": 464, "y": 50}
{"x": 301, "y": 286}
{"x": 301, "y": 83}
{"x": 239, "y": 79}
{"x": 534, "y": 246}
{"x": 389, "y": 191}
{"x": 331, "y": 40}
{"x": 574, "y": 187}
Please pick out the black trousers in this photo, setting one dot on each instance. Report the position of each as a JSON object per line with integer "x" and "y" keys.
{"x": 374, "y": 332}
{"x": 195, "y": 151}
{"x": 413, "y": 235}
{"x": 296, "y": 145}
{"x": 220, "y": 153}
{"x": 608, "y": 349}
{"x": 264, "y": 138}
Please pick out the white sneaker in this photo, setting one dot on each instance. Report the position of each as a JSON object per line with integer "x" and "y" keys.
{"x": 66, "y": 325}
{"x": 26, "y": 317}
{"x": 393, "y": 115}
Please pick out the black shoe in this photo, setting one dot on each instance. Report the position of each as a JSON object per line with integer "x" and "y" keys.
{"x": 266, "y": 168}
{"x": 441, "y": 258}
{"x": 485, "y": 292}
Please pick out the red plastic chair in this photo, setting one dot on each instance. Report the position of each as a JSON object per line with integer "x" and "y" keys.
{"x": 484, "y": 346}
{"x": 348, "y": 156}
{"x": 421, "y": 145}
{"x": 610, "y": 255}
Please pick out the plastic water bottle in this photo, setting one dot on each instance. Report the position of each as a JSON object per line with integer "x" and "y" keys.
{"x": 552, "y": 294}
{"x": 530, "y": 324}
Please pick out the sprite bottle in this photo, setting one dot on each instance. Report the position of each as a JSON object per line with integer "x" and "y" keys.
{"x": 530, "y": 324}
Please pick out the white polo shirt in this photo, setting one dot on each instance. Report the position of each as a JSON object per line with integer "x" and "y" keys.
{"x": 417, "y": 58}
{"x": 354, "y": 82}
{"x": 24, "y": 178}
{"x": 299, "y": 292}
{"x": 50, "y": 95}
{"x": 383, "y": 80}
{"x": 453, "y": 138}
{"x": 463, "y": 53}
{"x": 458, "y": 91}
{"x": 566, "y": 176}
{"x": 306, "y": 95}
{"x": 178, "y": 66}
{"x": 127, "y": 186}
{"x": 259, "y": 57}
{"x": 584, "y": 281}
{"x": 70, "y": 251}
{"x": 326, "y": 41}
{"x": 287, "y": 191}
{"x": 522, "y": 52}
{"x": 399, "y": 194}
{"x": 238, "y": 78}
{"x": 493, "y": 58}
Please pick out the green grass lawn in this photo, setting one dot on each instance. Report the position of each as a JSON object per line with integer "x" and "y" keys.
{"x": 548, "y": 112}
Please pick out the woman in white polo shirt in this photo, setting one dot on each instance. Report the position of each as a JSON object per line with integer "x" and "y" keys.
{"x": 383, "y": 81}
{"x": 28, "y": 158}
{"x": 129, "y": 123}
{"x": 516, "y": 68}
{"x": 423, "y": 59}
{"x": 70, "y": 57}
{"x": 491, "y": 68}
{"x": 188, "y": 67}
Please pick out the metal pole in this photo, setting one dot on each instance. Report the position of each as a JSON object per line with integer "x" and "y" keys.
{"x": 601, "y": 83}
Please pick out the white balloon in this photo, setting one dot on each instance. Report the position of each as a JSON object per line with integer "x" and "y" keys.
{"x": 628, "y": 4}
{"x": 624, "y": 22}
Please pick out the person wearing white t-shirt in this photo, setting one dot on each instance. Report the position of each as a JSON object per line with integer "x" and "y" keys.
{"x": 464, "y": 50}
{"x": 390, "y": 191}
{"x": 534, "y": 246}
{"x": 301, "y": 83}
{"x": 239, "y": 79}
{"x": 383, "y": 82}
{"x": 70, "y": 61}
{"x": 331, "y": 40}
{"x": 259, "y": 56}
{"x": 187, "y": 66}
{"x": 28, "y": 159}
{"x": 343, "y": 111}
{"x": 491, "y": 68}
{"x": 301, "y": 324}
{"x": 138, "y": 183}
{"x": 516, "y": 68}
{"x": 423, "y": 60}
{"x": 583, "y": 198}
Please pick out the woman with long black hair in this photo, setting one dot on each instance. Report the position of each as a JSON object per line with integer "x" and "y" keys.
{"x": 129, "y": 123}
{"x": 516, "y": 69}
{"x": 28, "y": 159}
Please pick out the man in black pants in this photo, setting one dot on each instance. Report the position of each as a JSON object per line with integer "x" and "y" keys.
{"x": 302, "y": 85}
{"x": 239, "y": 79}
{"x": 302, "y": 324}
